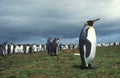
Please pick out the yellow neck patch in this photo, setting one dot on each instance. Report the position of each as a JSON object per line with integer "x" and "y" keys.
{"x": 91, "y": 27}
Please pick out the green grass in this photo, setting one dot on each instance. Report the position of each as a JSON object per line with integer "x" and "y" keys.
{"x": 65, "y": 65}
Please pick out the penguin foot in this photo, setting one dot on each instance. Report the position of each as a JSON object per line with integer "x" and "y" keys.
{"x": 90, "y": 67}
{"x": 83, "y": 67}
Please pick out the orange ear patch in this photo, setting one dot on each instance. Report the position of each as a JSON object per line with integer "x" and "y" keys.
{"x": 86, "y": 23}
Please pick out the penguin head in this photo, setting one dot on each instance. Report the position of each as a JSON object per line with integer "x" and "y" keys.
{"x": 56, "y": 38}
{"x": 49, "y": 38}
{"x": 91, "y": 22}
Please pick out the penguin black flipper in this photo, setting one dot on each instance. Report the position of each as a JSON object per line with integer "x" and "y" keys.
{"x": 88, "y": 46}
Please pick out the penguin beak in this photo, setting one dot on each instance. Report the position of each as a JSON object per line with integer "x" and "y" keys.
{"x": 96, "y": 19}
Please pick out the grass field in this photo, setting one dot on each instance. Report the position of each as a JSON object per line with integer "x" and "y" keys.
{"x": 65, "y": 65}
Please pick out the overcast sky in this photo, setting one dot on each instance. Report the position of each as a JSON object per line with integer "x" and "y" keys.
{"x": 33, "y": 21}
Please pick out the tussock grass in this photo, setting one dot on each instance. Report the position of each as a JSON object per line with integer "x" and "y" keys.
{"x": 65, "y": 65}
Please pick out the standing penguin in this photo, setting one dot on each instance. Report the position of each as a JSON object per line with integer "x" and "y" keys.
{"x": 87, "y": 44}
{"x": 49, "y": 45}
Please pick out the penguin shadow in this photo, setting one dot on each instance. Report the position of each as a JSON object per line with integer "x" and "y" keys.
{"x": 76, "y": 66}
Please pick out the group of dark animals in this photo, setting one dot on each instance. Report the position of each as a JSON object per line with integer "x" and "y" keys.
{"x": 52, "y": 46}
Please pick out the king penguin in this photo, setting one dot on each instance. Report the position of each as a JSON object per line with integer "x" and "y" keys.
{"x": 87, "y": 44}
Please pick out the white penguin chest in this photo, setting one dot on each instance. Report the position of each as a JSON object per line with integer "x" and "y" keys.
{"x": 91, "y": 35}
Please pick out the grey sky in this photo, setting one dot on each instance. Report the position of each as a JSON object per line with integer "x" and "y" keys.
{"x": 33, "y": 21}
